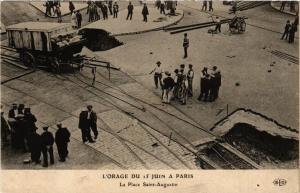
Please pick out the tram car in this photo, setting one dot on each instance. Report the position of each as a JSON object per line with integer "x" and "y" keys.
{"x": 45, "y": 43}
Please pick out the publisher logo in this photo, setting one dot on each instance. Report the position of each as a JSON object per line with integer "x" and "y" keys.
{"x": 279, "y": 182}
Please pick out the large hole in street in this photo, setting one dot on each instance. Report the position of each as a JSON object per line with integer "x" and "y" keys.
{"x": 99, "y": 40}
{"x": 267, "y": 149}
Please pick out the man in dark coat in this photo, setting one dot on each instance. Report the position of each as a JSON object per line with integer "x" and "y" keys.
{"x": 210, "y": 5}
{"x": 110, "y": 4}
{"x": 21, "y": 109}
{"x": 47, "y": 146}
{"x": 145, "y": 12}
{"x": 104, "y": 11}
{"x": 190, "y": 77}
{"x": 79, "y": 19}
{"x": 204, "y": 85}
{"x": 286, "y": 30}
{"x": 71, "y": 7}
{"x": 116, "y": 9}
{"x": 35, "y": 147}
{"x": 168, "y": 85}
{"x": 62, "y": 138}
{"x": 88, "y": 121}
{"x": 162, "y": 8}
{"x": 130, "y": 11}
{"x": 292, "y": 33}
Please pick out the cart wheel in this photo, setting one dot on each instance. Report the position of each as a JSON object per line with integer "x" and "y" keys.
{"x": 28, "y": 59}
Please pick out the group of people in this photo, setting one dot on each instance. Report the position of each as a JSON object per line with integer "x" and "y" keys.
{"x": 20, "y": 131}
{"x": 51, "y": 7}
{"x": 289, "y": 30}
{"x": 180, "y": 86}
{"x": 210, "y": 5}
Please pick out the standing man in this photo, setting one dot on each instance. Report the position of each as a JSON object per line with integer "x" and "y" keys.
{"x": 47, "y": 146}
{"x": 116, "y": 10}
{"x": 62, "y": 138}
{"x": 210, "y": 5}
{"x": 130, "y": 11}
{"x": 286, "y": 30}
{"x": 71, "y": 7}
{"x": 162, "y": 8}
{"x": 218, "y": 83}
{"x": 190, "y": 77}
{"x": 213, "y": 84}
{"x": 186, "y": 44}
{"x": 79, "y": 19}
{"x": 12, "y": 121}
{"x": 168, "y": 84}
{"x": 58, "y": 13}
{"x": 157, "y": 74}
{"x": 145, "y": 12}
{"x": 205, "y": 87}
{"x": 292, "y": 33}
{"x": 35, "y": 147}
{"x": 283, "y": 3}
{"x": 105, "y": 12}
{"x": 88, "y": 121}
{"x": 204, "y": 5}
{"x": 218, "y": 24}
{"x": 110, "y": 4}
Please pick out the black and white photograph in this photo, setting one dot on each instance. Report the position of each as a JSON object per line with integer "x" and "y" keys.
{"x": 149, "y": 85}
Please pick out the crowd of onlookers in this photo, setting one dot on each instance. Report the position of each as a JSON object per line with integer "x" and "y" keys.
{"x": 180, "y": 85}
{"x": 20, "y": 132}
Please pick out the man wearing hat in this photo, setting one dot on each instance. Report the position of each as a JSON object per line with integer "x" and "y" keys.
{"x": 4, "y": 129}
{"x": 190, "y": 77}
{"x": 168, "y": 84}
{"x": 186, "y": 44}
{"x": 62, "y": 138}
{"x": 157, "y": 74}
{"x": 35, "y": 147}
{"x": 214, "y": 83}
{"x": 47, "y": 146}
{"x": 204, "y": 84}
{"x": 88, "y": 121}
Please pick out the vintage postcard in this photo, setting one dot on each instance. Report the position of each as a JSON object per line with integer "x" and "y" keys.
{"x": 149, "y": 96}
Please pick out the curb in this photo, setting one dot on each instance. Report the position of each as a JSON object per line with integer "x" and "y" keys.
{"x": 284, "y": 12}
{"x": 69, "y": 13}
{"x": 150, "y": 30}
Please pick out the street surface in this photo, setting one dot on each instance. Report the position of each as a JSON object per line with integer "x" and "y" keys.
{"x": 131, "y": 138}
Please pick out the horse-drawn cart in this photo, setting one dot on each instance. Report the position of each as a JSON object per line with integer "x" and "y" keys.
{"x": 237, "y": 25}
{"x": 45, "y": 43}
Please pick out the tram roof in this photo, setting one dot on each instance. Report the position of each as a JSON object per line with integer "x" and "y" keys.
{"x": 38, "y": 26}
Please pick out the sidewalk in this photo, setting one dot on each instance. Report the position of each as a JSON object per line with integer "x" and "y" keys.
{"x": 64, "y": 7}
{"x": 277, "y": 4}
{"x": 121, "y": 26}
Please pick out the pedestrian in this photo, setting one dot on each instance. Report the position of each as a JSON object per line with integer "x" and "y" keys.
{"x": 218, "y": 78}
{"x": 116, "y": 9}
{"x": 176, "y": 85}
{"x": 213, "y": 84}
{"x": 130, "y": 11}
{"x": 104, "y": 11}
{"x": 218, "y": 24}
{"x": 205, "y": 87}
{"x": 71, "y": 7}
{"x": 145, "y": 13}
{"x": 186, "y": 44}
{"x": 182, "y": 81}
{"x": 74, "y": 20}
{"x": 21, "y": 109}
{"x": 110, "y": 5}
{"x": 190, "y": 77}
{"x": 62, "y": 138}
{"x": 210, "y": 8}
{"x": 48, "y": 8}
{"x": 204, "y": 5}
{"x": 20, "y": 132}
{"x": 234, "y": 7}
{"x": 47, "y": 146}
{"x": 88, "y": 121}
{"x": 79, "y": 19}
{"x": 5, "y": 131}
{"x": 90, "y": 11}
{"x": 296, "y": 22}
{"x": 94, "y": 75}
{"x": 157, "y": 74}
{"x": 168, "y": 85}
{"x": 97, "y": 10}
{"x": 286, "y": 30}
{"x": 58, "y": 13}
{"x": 292, "y": 33}
{"x": 162, "y": 9}
{"x": 35, "y": 147}
{"x": 12, "y": 114}
{"x": 158, "y": 3}
{"x": 283, "y": 3}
